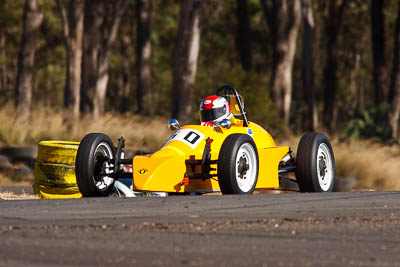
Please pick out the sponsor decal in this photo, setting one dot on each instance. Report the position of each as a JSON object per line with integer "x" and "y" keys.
{"x": 207, "y": 102}
{"x": 250, "y": 132}
{"x": 190, "y": 137}
{"x": 142, "y": 171}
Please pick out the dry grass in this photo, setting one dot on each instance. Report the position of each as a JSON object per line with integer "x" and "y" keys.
{"x": 376, "y": 166}
{"x": 5, "y": 180}
{"x": 14, "y": 196}
{"x": 46, "y": 124}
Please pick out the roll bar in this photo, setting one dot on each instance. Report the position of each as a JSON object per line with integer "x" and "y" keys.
{"x": 228, "y": 88}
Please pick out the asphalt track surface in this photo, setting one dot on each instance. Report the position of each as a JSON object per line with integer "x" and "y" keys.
{"x": 335, "y": 229}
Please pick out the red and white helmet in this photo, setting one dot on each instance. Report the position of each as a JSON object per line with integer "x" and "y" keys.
{"x": 213, "y": 110}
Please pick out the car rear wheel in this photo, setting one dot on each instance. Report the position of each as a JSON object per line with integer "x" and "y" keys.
{"x": 94, "y": 165}
{"x": 315, "y": 164}
{"x": 238, "y": 165}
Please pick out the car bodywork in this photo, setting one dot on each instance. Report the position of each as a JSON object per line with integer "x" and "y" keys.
{"x": 187, "y": 161}
{"x": 181, "y": 157}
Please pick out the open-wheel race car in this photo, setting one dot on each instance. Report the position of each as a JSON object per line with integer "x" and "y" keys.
{"x": 225, "y": 153}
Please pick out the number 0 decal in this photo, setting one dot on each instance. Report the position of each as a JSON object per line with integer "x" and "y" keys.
{"x": 188, "y": 136}
{"x": 192, "y": 137}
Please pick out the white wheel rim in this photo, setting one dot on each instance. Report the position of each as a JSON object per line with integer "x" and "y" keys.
{"x": 324, "y": 167}
{"x": 246, "y": 178}
{"x": 106, "y": 181}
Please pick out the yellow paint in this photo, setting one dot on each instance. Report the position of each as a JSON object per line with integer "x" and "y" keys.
{"x": 166, "y": 168}
{"x": 234, "y": 104}
{"x": 51, "y": 191}
{"x": 55, "y": 170}
{"x": 59, "y": 152}
{"x": 54, "y": 174}
{"x": 269, "y": 159}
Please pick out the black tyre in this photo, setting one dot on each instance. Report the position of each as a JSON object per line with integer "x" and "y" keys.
{"x": 315, "y": 164}
{"x": 238, "y": 165}
{"x": 93, "y": 163}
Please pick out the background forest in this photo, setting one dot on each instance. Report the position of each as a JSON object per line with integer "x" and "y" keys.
{"x": 123, "y": 67}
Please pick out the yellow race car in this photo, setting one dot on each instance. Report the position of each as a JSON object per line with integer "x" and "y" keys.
{"x": 225, "y": 153}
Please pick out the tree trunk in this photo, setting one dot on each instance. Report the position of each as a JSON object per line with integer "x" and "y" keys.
{"x": 23, "y": 91}
{"x": 284, "y": 21}
{"x": 109, "y": 31}
{"x": 354, "y": 90}
{"x": 125, "y": 44}
{"x": 243, "y": 41}
{"x": 308, "y": 64}
{"x": 378, "y": 51}
{"x": 73, "y": 32}
{"x": 3, "y": 60}
{"x": 143, "y": 91}
{"x": 333, "y": 23}
{"x": 395, "y": 81}
{"x": 101, "y": 89}
{"x": 186, "y": 52}
{"x": 94, "y": 16}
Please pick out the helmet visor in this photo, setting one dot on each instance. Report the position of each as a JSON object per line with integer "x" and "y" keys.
{"x": 212, "y": 114}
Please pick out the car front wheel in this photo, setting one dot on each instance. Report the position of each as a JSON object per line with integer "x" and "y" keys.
{"x": 238, "y": 165}
{"x": 94, "y": 164}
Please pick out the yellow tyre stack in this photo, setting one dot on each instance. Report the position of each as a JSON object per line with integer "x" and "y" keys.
{"x": 55, "y": 170}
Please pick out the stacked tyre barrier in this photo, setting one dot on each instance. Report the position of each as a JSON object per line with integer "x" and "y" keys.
{"x": 54, "y": 170}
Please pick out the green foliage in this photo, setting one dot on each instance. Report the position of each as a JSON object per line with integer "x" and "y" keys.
{"x": 370, "y": 122}
{"x": 50, "y": 81}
